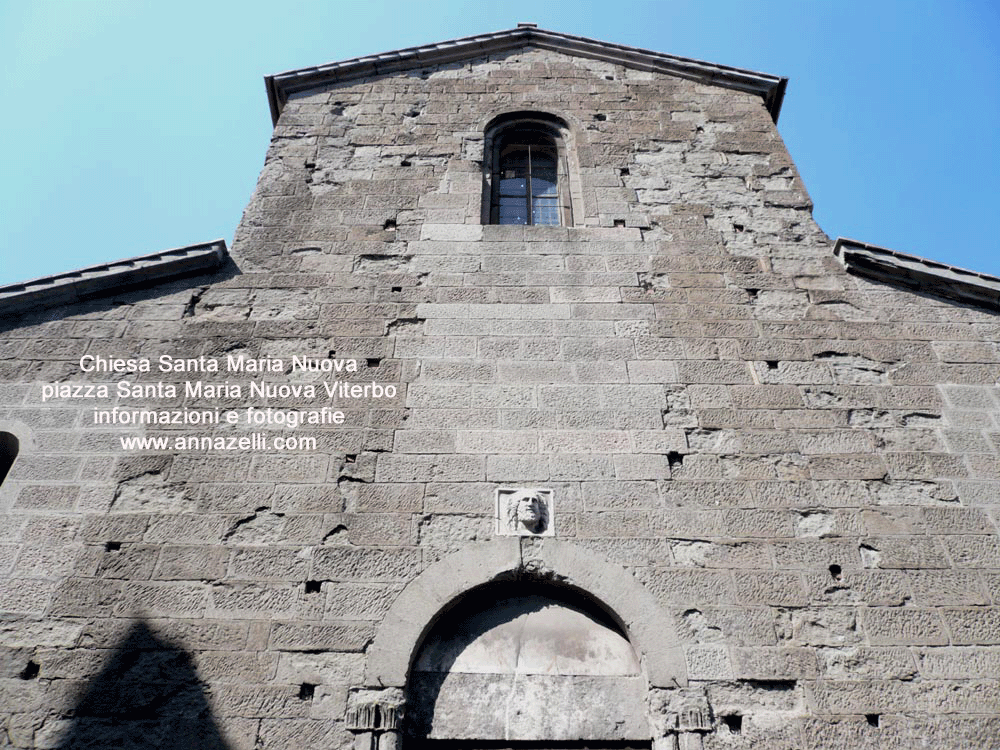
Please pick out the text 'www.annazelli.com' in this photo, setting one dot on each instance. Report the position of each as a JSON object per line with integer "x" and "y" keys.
{"x": 256, "y": 441}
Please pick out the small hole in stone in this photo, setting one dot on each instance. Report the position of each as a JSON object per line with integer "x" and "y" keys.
{"x": 619, "y": 222}
{"x": 873, "y": 720}
{"x": 306, "y": 691}
{"x": 314, "y": 587}
{"x": 600, "y": 118}
{"x": 609, "y": 78}
{"x": 373, "y": 361}
{"x": 30, "y": 671}
{"x": 405, "y": 163}
{"x": 734, "y": 722}
{"x": 738, "y": 227}
{"x": 675, "y": 459}
{"x": 350, "y": 458}
{"x": 397, "y": 289}
{"x": 624, "y": 171}
{"x": 835, "y": 573}
{"x": 772, "y": 364}
{"x": 753, "y": 293}
{"x": 390, "y": 225}
{"x": 112, "y": 546}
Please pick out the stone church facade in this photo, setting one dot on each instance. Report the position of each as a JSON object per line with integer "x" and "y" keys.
{"x": 603, "y": 442}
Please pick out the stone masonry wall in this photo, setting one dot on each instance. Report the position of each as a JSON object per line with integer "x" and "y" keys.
{"x": 800, "y": 465}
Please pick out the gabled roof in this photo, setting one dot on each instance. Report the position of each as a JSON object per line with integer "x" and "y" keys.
{"x": 87, "y": 283}
{"x": 282, "y": 85}
{"x": 918, "y": 274}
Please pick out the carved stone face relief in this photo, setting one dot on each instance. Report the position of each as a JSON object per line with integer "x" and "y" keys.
{"x": 524, "y": 511}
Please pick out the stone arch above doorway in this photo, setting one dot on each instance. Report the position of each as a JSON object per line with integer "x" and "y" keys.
{"x": 526, "y": 660}
{"x": 430, "y": 595}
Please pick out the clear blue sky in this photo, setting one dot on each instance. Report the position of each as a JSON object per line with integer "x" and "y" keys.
{"x": 134, "y": 126}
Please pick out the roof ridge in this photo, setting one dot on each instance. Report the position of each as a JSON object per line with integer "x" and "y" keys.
{"x": 920, "y": 274}
{"x": 89, "y": 282}
{"x": 281, "y": 85}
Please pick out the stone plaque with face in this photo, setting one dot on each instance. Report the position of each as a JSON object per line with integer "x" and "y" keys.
{"x": 524, "y": 511}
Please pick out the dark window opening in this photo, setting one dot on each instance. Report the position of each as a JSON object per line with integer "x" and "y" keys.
{"x": 9, "y": 447}
{"x": 314, "y": 587}
{"x": 306, "y": 691}
{"x": 112, "y": 546}
{"x": 873, "y": 720}
{"x": 734, "y": 722}
{"x": 527, "y": 189}
{"x": 374, "y": 361}
{"x": 527, "y": 172}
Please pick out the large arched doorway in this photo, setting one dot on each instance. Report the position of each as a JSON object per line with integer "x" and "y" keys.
{"x": 541, "y": 626}
{"x": 523, "y": 662}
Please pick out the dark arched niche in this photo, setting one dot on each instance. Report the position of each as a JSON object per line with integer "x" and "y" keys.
{"x": 9, "y": 448}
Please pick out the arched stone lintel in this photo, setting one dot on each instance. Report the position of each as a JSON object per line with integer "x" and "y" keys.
{"x": 430, "y": 594}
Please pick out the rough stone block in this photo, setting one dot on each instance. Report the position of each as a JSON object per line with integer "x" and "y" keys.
{"x": 976, "y": 625}
{"x": 345, "y": 636}
{"x": 899, "y": 625}
{"x": 365, "y": 563}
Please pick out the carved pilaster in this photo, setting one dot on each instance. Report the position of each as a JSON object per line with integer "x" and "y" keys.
{"x": 679, "y": 718}
{"x": 376, "y": 717}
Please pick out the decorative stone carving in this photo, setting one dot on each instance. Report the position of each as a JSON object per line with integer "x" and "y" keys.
{"x": 375, "y": 710}
{"x": 695, "y": 717}
{"x": 680, "y": 710}
{"x": 524, "y": 511}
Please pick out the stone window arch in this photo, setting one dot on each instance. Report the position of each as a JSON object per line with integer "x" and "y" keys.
{"x": 526, "y": 170}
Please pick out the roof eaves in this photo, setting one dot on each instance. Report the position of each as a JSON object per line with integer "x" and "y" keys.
{"x": 282, "y": 85}
{"x": 919, "y": 274}
{"x": 95, "y": 281}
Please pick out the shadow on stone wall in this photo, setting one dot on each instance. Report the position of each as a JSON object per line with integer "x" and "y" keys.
{"x": 148, "y": 695}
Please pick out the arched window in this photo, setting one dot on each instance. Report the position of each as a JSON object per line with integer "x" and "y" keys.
{"x": 527, "y": 172}
{"x": 9, "y": 447}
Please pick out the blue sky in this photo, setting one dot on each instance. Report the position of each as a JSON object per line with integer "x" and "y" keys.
{"x": 133, "y": 126}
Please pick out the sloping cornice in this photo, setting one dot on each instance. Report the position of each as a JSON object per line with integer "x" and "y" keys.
{"x": 282, "y": 85}
{"x": 87, "y": 283}
{"x": 918, "y": 274}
